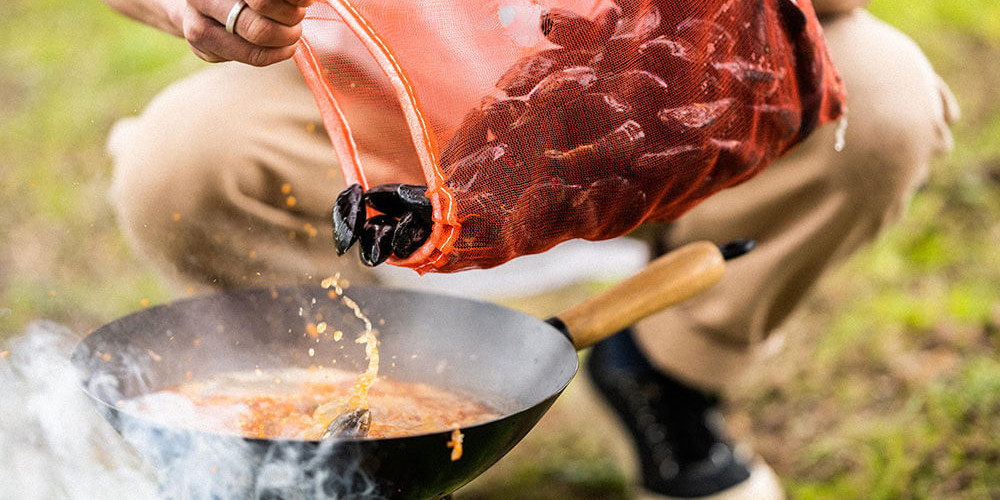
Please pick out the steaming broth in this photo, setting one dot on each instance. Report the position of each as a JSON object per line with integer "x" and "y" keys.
{"x": 299, "y": 403}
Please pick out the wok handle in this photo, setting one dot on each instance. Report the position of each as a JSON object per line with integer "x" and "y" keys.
{"x": 666, "y": 281}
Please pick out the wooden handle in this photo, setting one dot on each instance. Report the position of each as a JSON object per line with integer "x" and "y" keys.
{"x": 668, "y": 280}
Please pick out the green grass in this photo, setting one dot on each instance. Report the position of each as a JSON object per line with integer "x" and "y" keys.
{"x": 67, "y": 72}
{"x": 888, "y": 385}
{"x": 901, "y": 387}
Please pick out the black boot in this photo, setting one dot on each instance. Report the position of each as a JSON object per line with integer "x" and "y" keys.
{"x": 682, "y": 451}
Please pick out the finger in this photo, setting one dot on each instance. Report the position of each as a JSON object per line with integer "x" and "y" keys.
{"x": 210, "y": 41}
{"x": 252, "y": 25}
{"x": 258, "y": 29}
{"x": 217, "y": 10}
{"x": 205, "y": 56}
{"x": 197, "y": 32}
{"x": 258, "y": 57}
{"x": 278, "y": 11}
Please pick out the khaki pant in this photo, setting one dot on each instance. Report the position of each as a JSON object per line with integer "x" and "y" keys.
{"x": 227, "y": 179}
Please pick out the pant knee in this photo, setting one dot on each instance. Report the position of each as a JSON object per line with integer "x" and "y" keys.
{"x": 160, "y": 177}
{"x": 171, "y": 169}
{"x": 897, "y": 104}
{"x": 228, "y": 191}
{"x": 898, "y": 111}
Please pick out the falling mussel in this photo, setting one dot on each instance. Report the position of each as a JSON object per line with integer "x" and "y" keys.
{"x": 403, "y": 224}
{"x": 348, "y": 217}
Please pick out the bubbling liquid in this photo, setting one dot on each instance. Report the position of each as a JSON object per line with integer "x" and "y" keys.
{"x": 298, "y": 403}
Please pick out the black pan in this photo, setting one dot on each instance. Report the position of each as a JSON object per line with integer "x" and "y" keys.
{"x": 509, "y": 360}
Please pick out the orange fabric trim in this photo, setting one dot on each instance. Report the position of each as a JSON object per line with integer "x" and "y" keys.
{"x": 446, "y": 228}
{"x": 333, "y": 116}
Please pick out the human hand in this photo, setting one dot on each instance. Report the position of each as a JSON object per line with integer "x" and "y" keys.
{"x": 263, "y": 31}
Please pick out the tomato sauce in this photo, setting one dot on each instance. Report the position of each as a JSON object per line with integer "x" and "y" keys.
{"x": 299, "y": 404}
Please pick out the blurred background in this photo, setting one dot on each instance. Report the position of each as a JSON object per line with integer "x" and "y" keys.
{"x": 899, "y": 393}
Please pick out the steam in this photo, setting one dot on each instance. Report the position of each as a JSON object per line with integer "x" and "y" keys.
{"x": 57, "y": 446}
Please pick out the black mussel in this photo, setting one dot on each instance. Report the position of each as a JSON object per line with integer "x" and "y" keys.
{"x": 571, "y": 30}
{"x": 376, "y": 240}
{"x": 471, "y": 173}
{"x": 348, "y": 217}
{"x": 645, "y": 92}
{"x": 470, "y": 136}
{"x": 500, "y": 117}
{"x": 395, "y": 199}
{"x": 694, "y": 115}
{"x": 520, "y": 78}
{"x": 524, "y": 75}
{"x": 411, "y": 233}
{"x": 675, "y": 61}
{"x": 593, "y": 116}
{"x": 623, "y": 143}
{"x": 385, "y": 199}
{"x": 350, "y": 424}
{"x": 705, "y": 32}
{"x": 647, "y": 23}
{"x": 561, "y": 87}
{"x": 616, "y": 216}
{"x": 534, "y": 224}
{"x": 618, "y": 146}
{"x": 609, "y": 21}
{"x": 415, "y": 199}
{"x": 629, "y": 7}
{"x": 650, "y": 167}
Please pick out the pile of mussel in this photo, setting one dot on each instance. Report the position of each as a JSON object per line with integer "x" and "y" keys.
{"x": 634, "y": 111}
{"x": 402, "y": 226}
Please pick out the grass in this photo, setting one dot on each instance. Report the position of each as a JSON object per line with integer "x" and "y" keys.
{"x": 888, "y": 385}
{"x": 67, "y": 72}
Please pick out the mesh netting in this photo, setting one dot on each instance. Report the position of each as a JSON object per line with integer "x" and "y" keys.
{"x": 534, "y": 122}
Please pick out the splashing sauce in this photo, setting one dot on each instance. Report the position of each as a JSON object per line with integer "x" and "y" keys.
{"x": 362, "y": 385}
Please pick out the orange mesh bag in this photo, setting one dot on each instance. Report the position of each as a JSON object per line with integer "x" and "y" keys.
{"x": 473, "y": 132}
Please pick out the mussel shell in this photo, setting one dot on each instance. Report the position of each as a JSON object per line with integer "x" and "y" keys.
{"x": 348, "y": 217}
{"x": 571, "y": 30}
{"x": 352, "y": 424}
{"x": 411, "y": 233}
{"x": 395, "y": 199}
{"x": 376, "y": 240}
{"x": 415, "y": 200}
{"x": 385, "y": 199}
{"x": 524, "y": 75}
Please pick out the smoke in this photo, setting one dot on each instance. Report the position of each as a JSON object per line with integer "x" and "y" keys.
{"x": 57, "y": 446}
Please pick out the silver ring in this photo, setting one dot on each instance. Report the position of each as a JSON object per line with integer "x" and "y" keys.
{"x": 234, "y": 14}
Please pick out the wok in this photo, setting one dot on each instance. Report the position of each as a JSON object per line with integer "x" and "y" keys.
{"x": 511, "y": 361}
